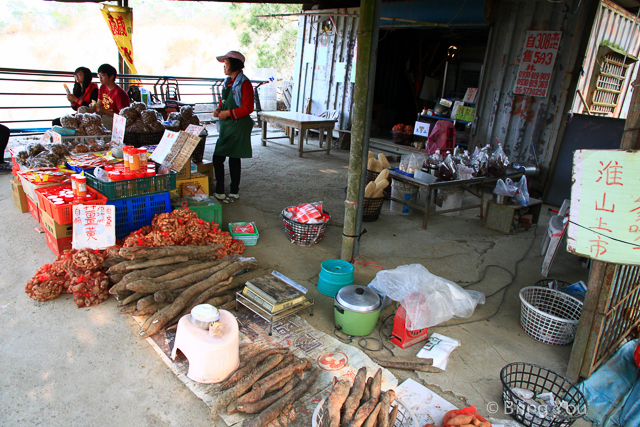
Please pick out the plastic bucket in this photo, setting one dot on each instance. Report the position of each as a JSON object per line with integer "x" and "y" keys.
{"x": 402, "y": 191}
{"x": 335, "y": 274}
{"x": 451, "y": 199}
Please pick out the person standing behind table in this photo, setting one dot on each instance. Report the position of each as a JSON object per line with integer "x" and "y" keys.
{"x": 111, "y": 97}
{"x": 84, "y": 93}
{"x": 233, "y": 112}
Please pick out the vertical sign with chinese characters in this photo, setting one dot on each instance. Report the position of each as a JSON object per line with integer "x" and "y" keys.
{"x": 119, "y": 125}
{"x": 605, "y": 206}
{"x": 538, "y": 56}
{"x": 94, "y": 226}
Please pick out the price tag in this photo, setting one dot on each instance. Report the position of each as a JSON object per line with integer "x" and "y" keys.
{"x": 421, "y": 129}
{"x": 46, "y": 137}
{"x": 164, "y": 146}
{"x": 94, "y": 226}
{"x": 117, "y": 133}
{"x": 57, "y": 138}
{"x": 194, "y": 129}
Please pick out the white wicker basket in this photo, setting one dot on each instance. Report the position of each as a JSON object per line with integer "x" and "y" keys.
{"x": 404, "y": 419}
{"x": 548, "y": 315}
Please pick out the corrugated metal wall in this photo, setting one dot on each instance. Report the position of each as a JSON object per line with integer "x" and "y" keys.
{"x": 528, "y": 126}
{"x": 324, "y": 62}
{"x": 619, "y": 28}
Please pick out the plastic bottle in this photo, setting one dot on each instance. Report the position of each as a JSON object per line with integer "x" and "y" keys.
{"x": 74, "y": 184}
{"x": 82, "y": 186}
{"x": 134, "y": 159}
{"x": 125, "y": 156}
{"x": 142, "y": 152}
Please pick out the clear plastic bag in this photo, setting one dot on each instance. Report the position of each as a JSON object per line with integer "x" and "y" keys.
{"x": 498, "y": 162}
{"x": 522, "y": 196}
{"x": 428, "y": 299}
{"x": 505, "y": 188}
{"x": 447, "y": 171}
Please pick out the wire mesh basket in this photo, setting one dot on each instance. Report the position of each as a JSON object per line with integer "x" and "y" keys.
{"x": 304, "y": 234}
{"x": 569, "y": 402}
{"x": 404, "y": 419}
{"x": 371, "y": 208}
{"x": 548, "y": 315}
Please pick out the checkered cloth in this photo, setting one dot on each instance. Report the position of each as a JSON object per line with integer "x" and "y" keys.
{"x": 308, "y": 213}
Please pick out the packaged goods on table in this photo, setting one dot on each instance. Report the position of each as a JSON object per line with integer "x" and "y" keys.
{"x": 41, "y": 178}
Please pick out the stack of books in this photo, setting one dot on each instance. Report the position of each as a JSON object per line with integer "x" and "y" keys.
{"x": 274, "y": 292}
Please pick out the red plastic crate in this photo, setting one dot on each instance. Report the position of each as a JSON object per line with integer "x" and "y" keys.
{"x": 58, "y": 246}
{"x": 64, "y": 214}
{"x": 33, "y": 209}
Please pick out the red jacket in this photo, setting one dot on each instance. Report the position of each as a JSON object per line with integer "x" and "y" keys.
{"x": 90, "y": 94}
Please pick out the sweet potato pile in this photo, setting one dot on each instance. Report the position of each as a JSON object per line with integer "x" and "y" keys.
{"x": 79, "y": 272}
{"x": 181, "y": 228}
{"x": 267, "y": 384}
{"x": 361, "y": 404}
{"x": 466, "y": 417}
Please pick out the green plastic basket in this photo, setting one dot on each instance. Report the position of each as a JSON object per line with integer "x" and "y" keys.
{"x": 209, "y": 210}
{"x": 124, "y": 189}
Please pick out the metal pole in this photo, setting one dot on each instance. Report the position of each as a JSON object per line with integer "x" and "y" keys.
{"x": 360, "y": 130}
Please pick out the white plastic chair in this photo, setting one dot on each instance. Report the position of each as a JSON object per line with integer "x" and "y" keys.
{"x": 555, "y": 233}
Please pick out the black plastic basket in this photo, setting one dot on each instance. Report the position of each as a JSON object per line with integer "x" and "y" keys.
{"x": 304, "y": 234}
{"x": 372, "y": 208}
{"x": 138, "y": 139}
{"x": 540, "y": 380}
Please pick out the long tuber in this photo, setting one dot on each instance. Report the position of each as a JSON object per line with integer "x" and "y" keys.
{"x": 335, "y": 400}
{"x": 353, "y": 401}
{"x": 261, "y": 405}
{"x": 363, "y": 412}
{"x": 181, "y": 282}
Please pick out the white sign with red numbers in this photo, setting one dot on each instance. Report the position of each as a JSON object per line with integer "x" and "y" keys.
{"x": 536, "y": 65}
{"x": 94, "y": 226}
{"x": 119, "y": 125}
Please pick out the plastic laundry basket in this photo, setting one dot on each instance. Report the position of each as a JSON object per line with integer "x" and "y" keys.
{"x": 335, "y": 274}
{"x": 548, "y": 315}
{"x": 404, "y": 419}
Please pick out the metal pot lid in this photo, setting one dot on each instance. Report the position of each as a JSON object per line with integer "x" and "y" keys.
{"x": 360, "y": 299}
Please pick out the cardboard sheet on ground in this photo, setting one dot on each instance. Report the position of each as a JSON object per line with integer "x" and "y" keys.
{"x": 333, "y": 357}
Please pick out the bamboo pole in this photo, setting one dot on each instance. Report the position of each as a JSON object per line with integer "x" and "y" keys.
{"x": 368, "y": 26}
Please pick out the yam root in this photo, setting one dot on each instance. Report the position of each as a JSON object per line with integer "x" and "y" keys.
{"x": 185, "y": 297}
{"x": 142, "y": 264}
{"x": 115, "y": 278}
{"x": 205, "y": 295}
{"x": 150, "y": 309}
{"x": 272, "y": 411}
{"x": 244, "y": 384}
{"x": 180, "y": 282}
{"x": 143, "y": 302}
{"x": 261, "y": 405}
{"x": 372, "y": 419}
{"x": 129, "y": 308}
{"x": 264, "y": 384}
{"x": 376, "y": 385}
{"x": 363, "y": 412}
{"x": 366, "y": 394}
{"x": 138, "y": 252}
{"x": 179, "y": 272}
{"x": 163, "y": 296}
{"x": 257, "y": 358}
{"x": 390, "y": 363}
{"x": 393, "y": 415}
{"x": 385, "y": 401}
{"x": 353, "y": 401}
{"x": 153, "y": 317}
{"x": 110, "y": 262}
{"x": 336, "y": 399}
{"x": 148, "y": 273}
{"x": 131, "y": 298}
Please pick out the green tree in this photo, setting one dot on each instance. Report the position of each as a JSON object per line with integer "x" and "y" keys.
{"x": 273, "y": 38}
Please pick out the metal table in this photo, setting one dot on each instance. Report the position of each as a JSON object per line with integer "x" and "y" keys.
{"x": 466, "y": 184}
{"x": 300, "y": 121}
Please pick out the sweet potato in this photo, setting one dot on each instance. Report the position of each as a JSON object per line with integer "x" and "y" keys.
{"x": 366, "y": 394}
{"x": 484, "y": 424}
{"x": 393, "y": 415}
{"x": 460, "y": 420}
{"x": 336, "y": 399}
{"x": 372, "y": 419}
{"x": 376, "y": 385}
{"x": 353, "y": 401}
{"x": 363, "y": 412}
{"x": 261, "y": 405}
{"x": 385, "y": 400}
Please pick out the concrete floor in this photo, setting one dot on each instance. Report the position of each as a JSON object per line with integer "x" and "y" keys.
{"x": 69, "y": 366}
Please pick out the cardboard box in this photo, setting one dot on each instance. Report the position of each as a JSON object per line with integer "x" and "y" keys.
{"x": 185, "y": 172}
{"x": 57, "y": 246}
{"x": 206, "y": 168}
{"x": 58, "y": 231}
{"x": 196, "y": 178}
{"x": 19, "y": 196}
{"x": 33, "y": 209}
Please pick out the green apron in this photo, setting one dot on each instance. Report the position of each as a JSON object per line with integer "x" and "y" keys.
{"x": 235, "y": 135}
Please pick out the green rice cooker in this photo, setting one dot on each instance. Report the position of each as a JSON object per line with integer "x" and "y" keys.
{"x": 356, "y": 310}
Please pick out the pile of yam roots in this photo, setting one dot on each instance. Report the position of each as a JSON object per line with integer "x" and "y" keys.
{"x": 267, "y": 384}
{"x": 165, "y": 283}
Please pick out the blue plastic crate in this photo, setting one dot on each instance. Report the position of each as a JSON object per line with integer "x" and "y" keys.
{"x": 136, "y": 212}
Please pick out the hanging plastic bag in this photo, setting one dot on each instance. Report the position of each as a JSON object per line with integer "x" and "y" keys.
{"x": 522, "y": 196}
{"x": 447, "y": 171}
{"x": 498, "y": 162}
{"x": 428, "y": 299}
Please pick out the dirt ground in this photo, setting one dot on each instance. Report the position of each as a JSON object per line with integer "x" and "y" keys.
{"x": 69, "y": 366}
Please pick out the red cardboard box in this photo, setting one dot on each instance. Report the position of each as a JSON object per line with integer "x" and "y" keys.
{"x": 57, "y": 246}
{"x": 33, "y": 209}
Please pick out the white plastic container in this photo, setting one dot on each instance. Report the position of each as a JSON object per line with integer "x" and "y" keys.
{"x": 402, "y": 191}
{"x": 211, "y": 358}
{"x": 451, "y": 199}
{"x": 425, "y": 177}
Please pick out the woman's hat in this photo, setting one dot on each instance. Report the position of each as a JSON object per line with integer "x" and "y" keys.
{"x": 231, "y": 54}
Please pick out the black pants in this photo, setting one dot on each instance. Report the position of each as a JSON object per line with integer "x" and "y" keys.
{"x": 234, "y": 171}
{"x": 4, "y": 140}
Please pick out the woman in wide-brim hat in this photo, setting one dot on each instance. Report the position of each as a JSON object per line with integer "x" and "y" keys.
{"x": 233, "y": 112}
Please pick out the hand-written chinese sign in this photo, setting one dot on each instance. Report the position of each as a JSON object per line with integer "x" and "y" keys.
{"x": 538, "y": 56}
{"x": 119, "y": 125}
{"x": 605, "y": 206}
{"x": 94, "y": 226}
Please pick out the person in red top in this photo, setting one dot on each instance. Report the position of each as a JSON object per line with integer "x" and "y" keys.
{"x": 84, "y": 93}
{"x": 111, "y": 97}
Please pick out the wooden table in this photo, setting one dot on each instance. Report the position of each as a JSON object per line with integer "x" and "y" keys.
{"x": 466, "y": 184}
{"x": 300, "y": 121}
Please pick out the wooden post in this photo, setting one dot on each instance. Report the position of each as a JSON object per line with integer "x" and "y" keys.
{"x": 360, "y": 128}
